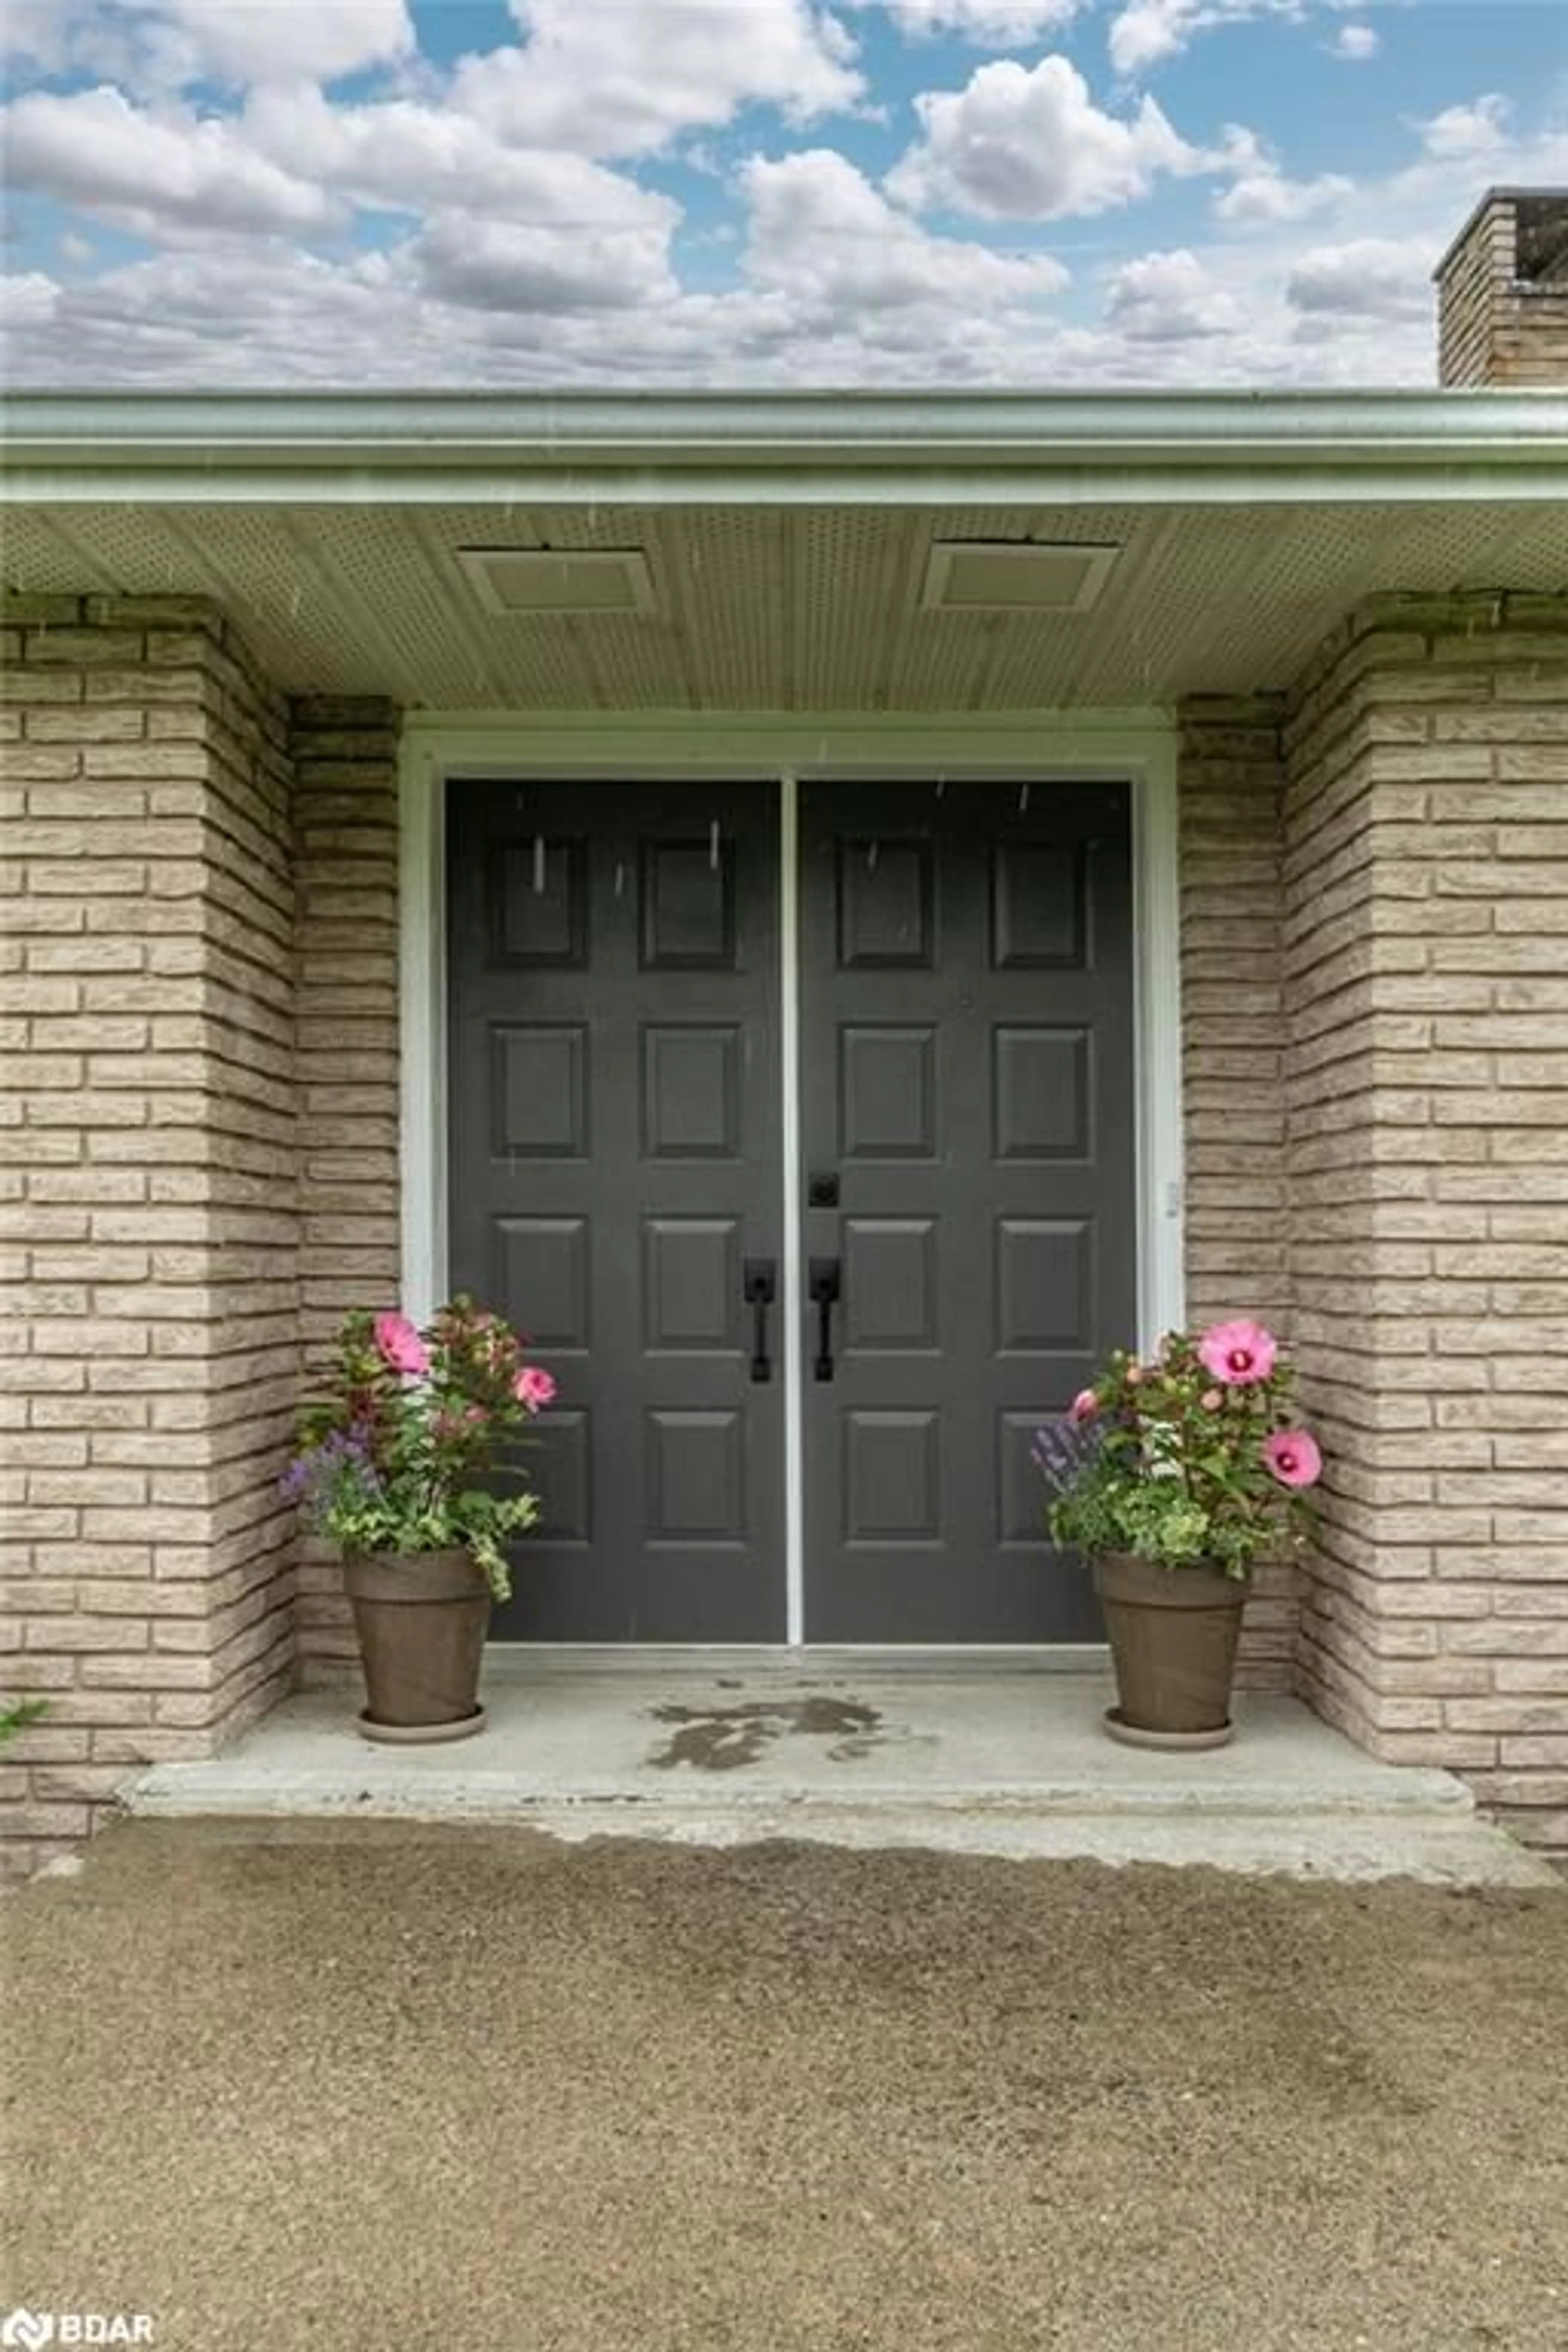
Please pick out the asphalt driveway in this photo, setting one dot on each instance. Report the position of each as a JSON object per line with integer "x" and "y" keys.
{"x": 376, "y": 2086}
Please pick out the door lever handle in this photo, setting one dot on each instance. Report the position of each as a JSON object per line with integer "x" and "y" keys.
{"x": 759, "y": 1287}
{"x": 824, "y": 1283}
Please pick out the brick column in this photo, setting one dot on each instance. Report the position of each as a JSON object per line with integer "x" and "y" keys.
{"x": 1233, "y": 1029}
{"x": 345, "y": 755}
{"x": 1427, "y": 962}
{"x": 149, "y": 1203}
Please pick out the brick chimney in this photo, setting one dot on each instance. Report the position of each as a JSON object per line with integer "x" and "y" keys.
{"x": 1502, "y": 292}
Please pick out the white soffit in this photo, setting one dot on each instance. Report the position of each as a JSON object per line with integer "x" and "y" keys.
{"x": 804, "y": 609}
{"x": 525, "y": 583}
{"x": 978, "y": 576}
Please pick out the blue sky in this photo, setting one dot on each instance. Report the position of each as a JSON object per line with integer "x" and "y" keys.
{"x": 572, "y": 192}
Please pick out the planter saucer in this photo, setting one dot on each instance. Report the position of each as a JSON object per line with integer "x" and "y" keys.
{"x": 1130, "y": 1736}
{"x": 419, "y": 1735}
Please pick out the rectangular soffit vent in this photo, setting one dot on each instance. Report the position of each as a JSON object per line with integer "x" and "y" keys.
{"x": 549, "y": 581}
{"x": 975, "y": 575}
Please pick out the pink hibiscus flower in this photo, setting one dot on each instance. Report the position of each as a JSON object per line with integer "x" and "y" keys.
{"x": 1084, "y": 1406}
{"x": 534, "y": 1387}
{"x": 1238, "y": 1353}
{"x": 400, "y": 1345}
{"x": 1293, "y": 1457}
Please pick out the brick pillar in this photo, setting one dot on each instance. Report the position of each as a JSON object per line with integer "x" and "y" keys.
{"x": 147, "y": 1193}
{"x": 1426, "y": 950}
{"x": 345, "y": 758}
{"x": 1232, "y": 1050}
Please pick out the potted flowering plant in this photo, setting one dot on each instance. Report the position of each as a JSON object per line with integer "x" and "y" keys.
{"x": 1176, "y": 1475}
{"x": 389, "y": 1469}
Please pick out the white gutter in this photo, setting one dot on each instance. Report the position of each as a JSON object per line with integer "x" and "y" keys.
{"x": 1157, "y": 447}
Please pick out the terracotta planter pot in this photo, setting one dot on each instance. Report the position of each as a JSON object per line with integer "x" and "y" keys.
{"x": 1173, "y": 1636}
{"x": 421, "y": 1618}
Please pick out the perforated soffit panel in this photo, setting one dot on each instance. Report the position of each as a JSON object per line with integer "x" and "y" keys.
{"x": 815, "y": 608}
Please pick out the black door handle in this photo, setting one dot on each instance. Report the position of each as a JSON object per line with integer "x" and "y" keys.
{"x": 760, "y": 1285}
{"x": 824, "y": 1284}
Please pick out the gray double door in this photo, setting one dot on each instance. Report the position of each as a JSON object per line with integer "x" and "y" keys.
{"x": 961, "y": 1195}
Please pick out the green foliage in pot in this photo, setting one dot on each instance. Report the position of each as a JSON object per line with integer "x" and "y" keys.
{"x": 393, "y": 1453}
{"x": 1193, "y": 1459}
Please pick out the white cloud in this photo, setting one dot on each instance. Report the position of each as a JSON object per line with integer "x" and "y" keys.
{"x": 173, "y": 44}
{"x": 27, "y": 299}
{"x": 987, "y": 24}
{"x": 1170, "y": 297}
{"x": 1460, "y": 131}
{"x": 623, "y": 77}
{"x": 527, "y": 253}
{"x": 403, "y": 156}
{"x": 822, "y": 233}
{"x": 1146, "y": 32}
{"x": 266, "y": 316}
{"x": 1262, "y": 194}
{"x": 35, "y": 32}
{"x": 269, "y": 315}
{"x": 1376, "y": 279}
{"x": 246, "y": 41}
{"x": 505, "y": 265}
{"x": 1029, "y": 143}
{"x": 1355, "y": 43}
{"x": 261, "y": 314}
{"x": 1150, "y": 31}
{"x": 150, "y": 174}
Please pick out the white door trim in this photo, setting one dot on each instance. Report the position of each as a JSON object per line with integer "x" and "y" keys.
{"x": 791, "y": 1293}
{"x": 1043, "y": 746}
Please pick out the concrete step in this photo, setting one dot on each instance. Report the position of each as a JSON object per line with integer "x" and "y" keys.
{"x": 864, "y": 1753}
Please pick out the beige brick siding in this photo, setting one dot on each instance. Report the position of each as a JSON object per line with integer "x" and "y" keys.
{"x": 1494, "y": 328}
{"x": 198, "y": 1165}
{"x": 1233, "y": 1024}
{"x": 1427, "y": 971}
{"x": 149, "y": 1218}
{"x": 346, "y": 834}
{"x": 198, "y": 1171}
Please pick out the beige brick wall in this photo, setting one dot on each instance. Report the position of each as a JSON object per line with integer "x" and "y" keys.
{"x": 1494, "y": 328}
{"x": 198, "y": 1164}
{"x": 346, "y": 832}
{"x": 1233, "y": 1036}
{"x": 198, "y": 1171}
{"x": 148, "y": 1211}
{"x": 1426, "y": 1095}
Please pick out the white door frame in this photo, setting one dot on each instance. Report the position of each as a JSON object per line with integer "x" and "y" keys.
{"x": 1038, "y": 748}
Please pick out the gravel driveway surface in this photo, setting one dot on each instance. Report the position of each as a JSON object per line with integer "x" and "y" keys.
{"x": 379, "y": 2088}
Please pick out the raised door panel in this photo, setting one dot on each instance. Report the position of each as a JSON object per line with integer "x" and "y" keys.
{"x": 539, "y": 1081}
{"x": 691, "y": 1284}
{"x": 691, "y": 1090}
{"x": 890, "y": 1286}
{"x": 887, "y": 1091}
{"x": 546, "y": 1261}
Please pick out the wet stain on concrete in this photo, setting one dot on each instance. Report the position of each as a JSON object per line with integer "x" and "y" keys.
{"x": 722, "y": 1738}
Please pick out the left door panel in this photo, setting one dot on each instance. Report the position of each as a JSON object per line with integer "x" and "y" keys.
{"x": 614, "y": 1090}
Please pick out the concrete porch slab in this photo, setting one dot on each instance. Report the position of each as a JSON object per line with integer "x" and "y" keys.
{"x": 985, "y": 1754}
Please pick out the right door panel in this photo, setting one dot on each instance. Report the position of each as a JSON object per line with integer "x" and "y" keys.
{"x": 969, "y": 1148}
